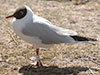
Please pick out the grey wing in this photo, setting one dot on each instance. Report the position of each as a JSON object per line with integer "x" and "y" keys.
{"x": 45, "y": 33}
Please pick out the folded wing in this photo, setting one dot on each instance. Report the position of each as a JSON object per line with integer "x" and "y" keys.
{"x": 51, "y": 34}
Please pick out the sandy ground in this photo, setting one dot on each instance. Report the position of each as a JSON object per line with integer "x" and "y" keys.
{"x": 63, "y": 59}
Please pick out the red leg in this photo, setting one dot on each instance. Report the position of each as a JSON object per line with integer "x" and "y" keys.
{"x": 37, "y": 51}
{"x": 37, "y": 56}
{"x": 35, "y": 60}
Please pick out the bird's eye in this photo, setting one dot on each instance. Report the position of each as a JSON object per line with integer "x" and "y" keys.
{"x": 21, "y": 12}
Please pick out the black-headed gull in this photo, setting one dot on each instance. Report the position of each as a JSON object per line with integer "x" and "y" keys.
{"x": 40, "y": 32}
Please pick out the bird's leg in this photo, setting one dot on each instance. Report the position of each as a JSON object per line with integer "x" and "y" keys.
{"x": 37, "y": 58}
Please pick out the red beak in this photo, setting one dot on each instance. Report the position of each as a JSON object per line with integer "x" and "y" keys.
{"x": 10, "y": 16}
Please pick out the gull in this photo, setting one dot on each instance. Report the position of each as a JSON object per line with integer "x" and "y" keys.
{"x": 40, "y": 32}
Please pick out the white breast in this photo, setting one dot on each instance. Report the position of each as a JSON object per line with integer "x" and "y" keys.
{"x": 18, "y": 27}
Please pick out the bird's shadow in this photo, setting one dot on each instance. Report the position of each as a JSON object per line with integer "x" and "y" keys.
{"x": 52, "y": 70}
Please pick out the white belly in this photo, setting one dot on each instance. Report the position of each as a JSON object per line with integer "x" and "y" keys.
{"x": 30, "y": 39}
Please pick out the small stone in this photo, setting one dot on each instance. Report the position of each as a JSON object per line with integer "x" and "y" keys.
{"x": 33, "y": 60}
{"x": 1, "y": 58}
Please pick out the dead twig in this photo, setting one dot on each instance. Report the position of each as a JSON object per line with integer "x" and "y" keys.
{"x": 11, "y": 35}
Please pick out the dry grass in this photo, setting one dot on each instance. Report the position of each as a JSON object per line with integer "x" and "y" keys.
{"x": 81, "y": 59}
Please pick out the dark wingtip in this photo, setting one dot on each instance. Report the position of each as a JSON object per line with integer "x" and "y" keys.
{"x": 93, "y": 39}
{"x": 79, "y": 38}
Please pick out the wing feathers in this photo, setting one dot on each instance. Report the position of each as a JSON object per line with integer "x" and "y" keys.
{"x": 80, "y": 38}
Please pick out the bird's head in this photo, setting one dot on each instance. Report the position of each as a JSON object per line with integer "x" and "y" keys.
{"x": 21, "y": 12}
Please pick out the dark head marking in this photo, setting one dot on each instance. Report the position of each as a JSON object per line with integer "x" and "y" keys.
{"x": 20, "y": 13}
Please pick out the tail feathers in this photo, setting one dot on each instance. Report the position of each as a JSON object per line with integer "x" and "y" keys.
{"x": 82, "y": 39}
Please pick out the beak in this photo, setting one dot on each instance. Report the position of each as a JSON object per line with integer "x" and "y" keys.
{"x": 10, "y": 16}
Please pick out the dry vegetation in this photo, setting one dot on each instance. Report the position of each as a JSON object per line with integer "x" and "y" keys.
{"x": 64, "y": 59}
